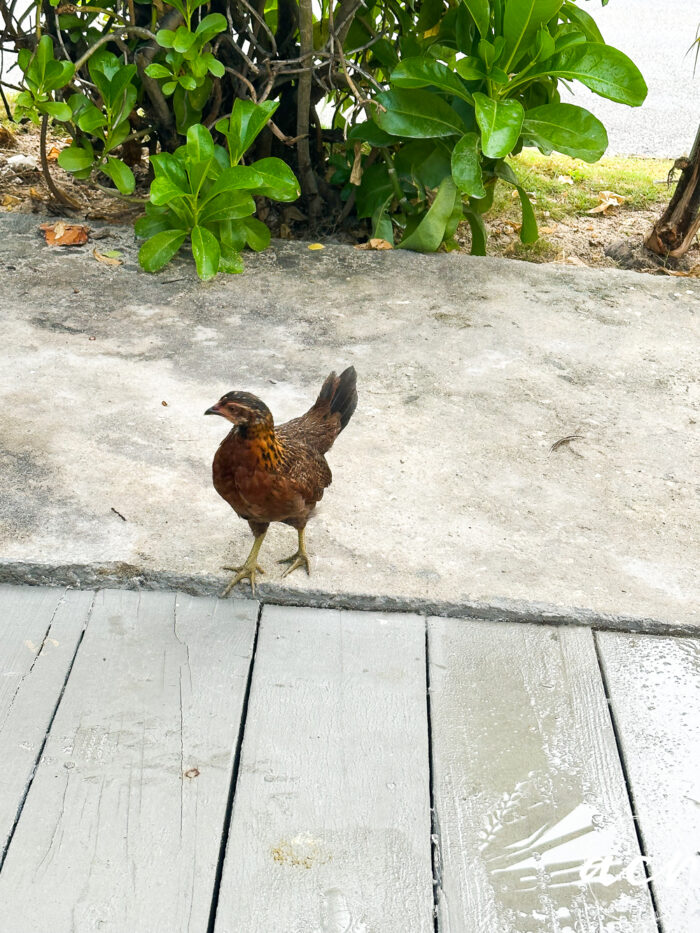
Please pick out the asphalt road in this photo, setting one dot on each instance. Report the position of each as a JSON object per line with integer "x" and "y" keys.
{"x": 656, "y": 36}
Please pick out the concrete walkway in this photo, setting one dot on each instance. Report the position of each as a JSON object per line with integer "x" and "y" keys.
{"x": 447, "y": 497}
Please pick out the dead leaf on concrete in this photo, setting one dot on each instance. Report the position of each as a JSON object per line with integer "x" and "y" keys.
{"x": 110, "y": 258}
{"x": 316, "y": 246}
{"x": 63, "y": 234}
{"x": 375, "y": 243}
{"x": 564, "y": 440}
{"x": 607, "y": 200}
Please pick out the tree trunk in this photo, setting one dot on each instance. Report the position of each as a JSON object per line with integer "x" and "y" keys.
{"x": 674, "y": 231}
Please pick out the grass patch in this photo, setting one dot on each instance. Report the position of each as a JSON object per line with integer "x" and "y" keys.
{"x": 633, "y": 178}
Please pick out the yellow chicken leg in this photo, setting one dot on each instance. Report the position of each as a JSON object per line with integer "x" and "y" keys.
{"x": 248, "y": 570}
{"x": 300, "y": 559}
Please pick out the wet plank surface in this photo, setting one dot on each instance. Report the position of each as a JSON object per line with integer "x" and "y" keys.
{"x": 331, "y": 819}
{"x": 121, "y": 828}
{"x": 654, "y": 687}
{"x": 528, "y": 787}
{"x": 211, "y": 772}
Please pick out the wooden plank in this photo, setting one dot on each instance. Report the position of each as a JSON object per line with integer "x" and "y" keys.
{"x": 122, "y": 826}
{"x": 534, "y": 822}
{"x": 39, "y": 631}
{"x": 331, "y": 818}
{"x": 654, "y": 687}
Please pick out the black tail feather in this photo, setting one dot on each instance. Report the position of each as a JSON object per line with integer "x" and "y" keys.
{"x": 341, "y": 393}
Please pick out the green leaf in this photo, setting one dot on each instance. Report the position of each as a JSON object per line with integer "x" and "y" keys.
{"x": 426, "y": 161}
{"x": 213, "y": 65}
{"x": 478, "y": 229}
{"x": 466, "y": 166}
{"x": 246, "y": 122}
{"x": 417, "y": 114}
{"x": 603, "y": 69}
{"x": 500, "y": 123}
{"x": 521, "y": 22}
{"x": 189, "y": 82}
{"x": 369, "y": 132}
{"x": 374, "y": 190}
{"x": 278, "y": 180}
{"x": 158, "y": 71}
{"x": 148, "y": 226}
{"x": 183, "y": 39}
{"x": 481, "y": 14}
{"x": 165, "y": 38}
{"x": 423, "y": 72}
{"x": 163, "y": 191}
{"x": 230, "y": 260}
{"x": 257, "y": 234}
{"x": 430, "y": 232}
{"x": 210, "y": 26}
{"x": 75, "y": 159}
{"x": 206, "y": 252}
{"x": 528, "y": 230}
{"x": 56, "y": 109}
{"x": 229, "y": 205}
{"x": 566, "y": 128}
{"x": 234, "y": 178}
{"x": 121, "y": 174}
{"x": 583, "y": 20}
{"x": 166, "y": 165}
{"x": 169, "y": 87}
{"x": 200, "y": 145}
{"x": 160, "y": 249}
{"x": 92, "y": 119}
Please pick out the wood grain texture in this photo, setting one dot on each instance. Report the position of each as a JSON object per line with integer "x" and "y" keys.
{"x": 331, "y": 818}
{"x": 39, "y": 631}
{"x": 528, "y": 788}
{"x": 122, "y": 825}
{"x": 654, "y": 687}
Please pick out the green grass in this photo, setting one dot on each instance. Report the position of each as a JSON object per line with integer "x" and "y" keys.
{"x": 633, "y": 178}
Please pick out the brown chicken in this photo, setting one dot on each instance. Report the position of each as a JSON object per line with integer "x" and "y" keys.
{"x": 278, "y": 474}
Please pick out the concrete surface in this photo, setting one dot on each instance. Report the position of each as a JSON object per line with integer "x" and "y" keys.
{"x": 657, "y": 37}
{"x": 446, "y": 496}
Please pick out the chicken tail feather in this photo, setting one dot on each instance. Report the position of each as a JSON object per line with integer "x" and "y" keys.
{"x": 340, "y": 393}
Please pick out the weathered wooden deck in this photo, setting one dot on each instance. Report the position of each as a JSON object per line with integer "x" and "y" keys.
{"x": 179, "y": 764}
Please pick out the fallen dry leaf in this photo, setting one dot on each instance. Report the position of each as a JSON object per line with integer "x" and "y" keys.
{"x": 106, "y": 258}
{"x": 63, "y": 234}
{"x": 7, "y": 139}
{"x": 565, "y": 179}
{"x": 565, "y": 440}
{"x": 375, "y": 243}
{"x": 316, "y": 246}
{"x": 607, "y": 200}
{"x": 684, "y": 273}
{"x": 546, "y": 230}
{"x": 9, "y": 200}
{"x": 356, "y": 173}
{"x": 53, "y": 154}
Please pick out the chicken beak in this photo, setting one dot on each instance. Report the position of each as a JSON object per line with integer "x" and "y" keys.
{"x": 214, "y": 410}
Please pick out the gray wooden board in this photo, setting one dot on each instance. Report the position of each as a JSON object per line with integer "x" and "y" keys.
{"x": 535, "y": 828}
{"x": 654, "y": 687}
{"x": 331, "y": 817}
{"x": 122, "y": 825}
{"x": 39, "y": 630}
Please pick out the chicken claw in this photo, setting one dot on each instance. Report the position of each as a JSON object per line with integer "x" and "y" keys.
{"x": 248, "y": 570}
{"x": 300, "y": 559}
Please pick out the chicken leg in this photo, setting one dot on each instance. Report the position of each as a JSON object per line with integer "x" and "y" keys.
{"x": 300, "y": 559}
{"x": 247, "y": 570}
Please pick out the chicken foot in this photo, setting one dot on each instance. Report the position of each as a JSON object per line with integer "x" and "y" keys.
{"x": 247, "y": 570}
{"x": 300, "y": 559}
